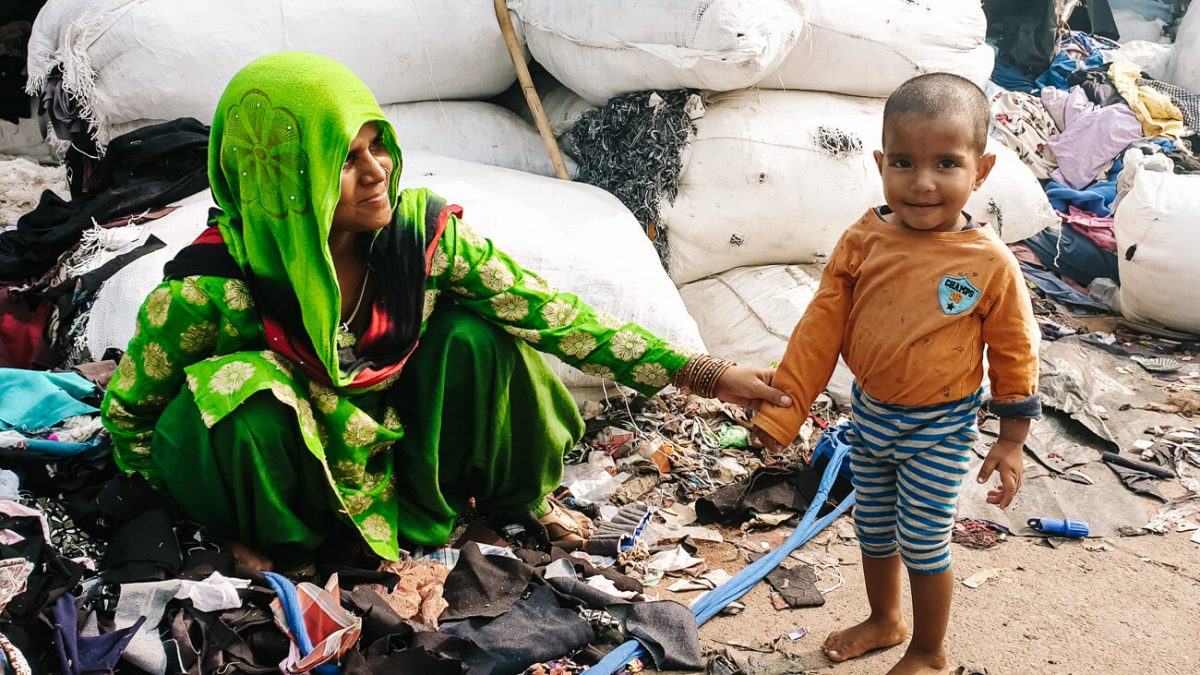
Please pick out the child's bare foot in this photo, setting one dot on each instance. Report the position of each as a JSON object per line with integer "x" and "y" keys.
{"x": 251, "y": 558}
{"x": 916, "y": 662}
{"x": 872, "y": 634}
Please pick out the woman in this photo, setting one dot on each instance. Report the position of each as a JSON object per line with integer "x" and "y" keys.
{"x": 334, "y": 351}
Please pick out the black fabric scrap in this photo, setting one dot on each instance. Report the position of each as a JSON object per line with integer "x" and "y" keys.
{"x": 798, "y": 586}
{"x": 244, "y": 640}
{"x": 582, "y": 567}
{"x": 378, "y": 618}
{"x": 666, "y": 629}
{"x": 1025, "y": 32}
{"x": 764, "y": 491}
{"x": 1096, "y": 84}
{"x": 534, "y": 630}
{"x": 1184, "y": 163}
{"x": 397, "y": 654}
{"x": 1137, "y": 476}
{"x": 144, "y": 549}
{"x": 143, "y": 169}
{"x": 484, "y": 586}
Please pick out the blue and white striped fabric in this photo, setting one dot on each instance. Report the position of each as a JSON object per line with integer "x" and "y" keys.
{"x": 908, "y": 466}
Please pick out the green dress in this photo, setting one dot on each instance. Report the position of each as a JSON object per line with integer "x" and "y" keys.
{"x": 257, "y": 448}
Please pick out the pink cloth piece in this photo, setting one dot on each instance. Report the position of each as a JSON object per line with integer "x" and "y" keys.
{"x": 10, "y": 508}
{"x": 1092, "y": 137}
{"x": 1025, "y": 254}
{"x": 1099, "y": 229}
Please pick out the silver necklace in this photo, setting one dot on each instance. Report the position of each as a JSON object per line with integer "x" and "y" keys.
{"x": 345, "y": 338}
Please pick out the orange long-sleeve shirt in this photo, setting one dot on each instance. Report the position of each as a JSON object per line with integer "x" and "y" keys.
{"x": 911, "y": 313}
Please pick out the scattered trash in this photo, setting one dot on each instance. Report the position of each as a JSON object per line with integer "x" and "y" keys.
{"x": 980, "y": 578}
{"x": 706, "y": 582}
{"x": 1157, "y": 365}
{"x": 978, "y": 534}
{"x": 796, "y": 588}
{"x": 673, "y": 560}
{"x": 797, "y": 634}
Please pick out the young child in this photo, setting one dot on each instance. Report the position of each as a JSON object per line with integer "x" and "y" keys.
{"x": 911, "y": 295}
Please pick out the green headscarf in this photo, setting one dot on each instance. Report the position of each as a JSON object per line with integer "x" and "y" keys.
{"x": 280, "y": 137}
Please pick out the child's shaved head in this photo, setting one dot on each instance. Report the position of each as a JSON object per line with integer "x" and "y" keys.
{"x": 945, "y": 97}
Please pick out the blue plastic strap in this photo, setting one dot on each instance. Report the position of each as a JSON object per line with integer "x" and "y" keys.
{"x": 720, "y": 597}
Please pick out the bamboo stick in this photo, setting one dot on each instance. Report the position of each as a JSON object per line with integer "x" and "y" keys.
{"x": 531, "y": 95}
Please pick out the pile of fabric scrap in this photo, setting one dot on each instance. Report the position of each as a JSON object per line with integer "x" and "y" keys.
{"x": 1077, "y": 112}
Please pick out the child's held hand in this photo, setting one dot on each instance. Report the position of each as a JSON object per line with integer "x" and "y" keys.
{"x": 1006, "y": 457}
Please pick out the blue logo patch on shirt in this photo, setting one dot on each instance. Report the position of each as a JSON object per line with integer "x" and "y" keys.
{"x": 956, "y": 295}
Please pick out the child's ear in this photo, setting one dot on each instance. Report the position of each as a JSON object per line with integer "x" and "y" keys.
{"x": 984, "y": 168}
{"x": 879, "y": 161}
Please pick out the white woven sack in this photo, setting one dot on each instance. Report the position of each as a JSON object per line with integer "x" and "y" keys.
{"x": 473, "y": 131}
{"x": 748, "y": 314}
{"x": 127, "y": 60}
{"x": 114, "y": 314}
{"x": 601, "y": 48}
{"x": 1158, "y": 246}
{"x": 579, "y": 238}
{"x": 1183, "y": 68}
{"x": 775, "y": 177}
{"x": 870, "y": 47}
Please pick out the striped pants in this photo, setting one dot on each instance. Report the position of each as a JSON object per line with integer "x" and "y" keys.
{"x": 908, "y": 466}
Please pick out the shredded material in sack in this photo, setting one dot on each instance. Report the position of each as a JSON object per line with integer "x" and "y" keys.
{"x": 21, "y": 185}
{"x": 633, "y": 148}
{"x": 838, "y": 143}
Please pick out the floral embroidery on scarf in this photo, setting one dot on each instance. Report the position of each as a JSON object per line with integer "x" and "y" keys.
{"x": 559, "y": 313}
{"x": 510, "y": 307}
{"x": 262, "y": 147}
{"x": 628, "y": 345}
{"x": 578, "y": 345}
{"x": 651, "y": 375}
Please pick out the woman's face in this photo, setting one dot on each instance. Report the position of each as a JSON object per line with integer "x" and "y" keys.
{"x": 364, "y": 205}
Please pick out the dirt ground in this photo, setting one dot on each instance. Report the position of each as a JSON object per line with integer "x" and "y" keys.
{"x": 1132, "y": 608}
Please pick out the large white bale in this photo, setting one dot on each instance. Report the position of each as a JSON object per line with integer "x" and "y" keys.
{"x": 1158, "y": 247}
{"x": 870, "y": 47}
{"x": 129, "y": 60}
{"x": 579, "y": 238}
{"x": 1183, "y": 68}
{"x": 747, "y": 315}
{"x": 472, "y": 131}
{"x": 770, "y": 179}
{"x": 601, "y": 48}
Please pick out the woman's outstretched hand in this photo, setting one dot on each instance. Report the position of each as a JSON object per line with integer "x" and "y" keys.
{"x": 750, "y": 387}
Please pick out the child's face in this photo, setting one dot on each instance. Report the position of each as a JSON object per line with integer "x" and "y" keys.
{"x": 930, "y": 167}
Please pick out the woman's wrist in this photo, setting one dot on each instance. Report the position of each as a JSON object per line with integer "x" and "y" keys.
{"x": 701, "y": 375}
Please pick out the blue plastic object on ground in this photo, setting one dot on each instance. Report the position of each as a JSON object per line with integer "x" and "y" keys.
{"x": 1067, "y": 527}
{"x": 834, "y": 446}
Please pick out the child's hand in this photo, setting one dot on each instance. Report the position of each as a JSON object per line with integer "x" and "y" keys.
{"x": 749, "y": 387}
{"x": 1007, "y": 457}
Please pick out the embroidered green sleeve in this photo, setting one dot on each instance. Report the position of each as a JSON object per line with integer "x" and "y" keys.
{"x": 180, "y": 323}
{"x": 492, "y": 284}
